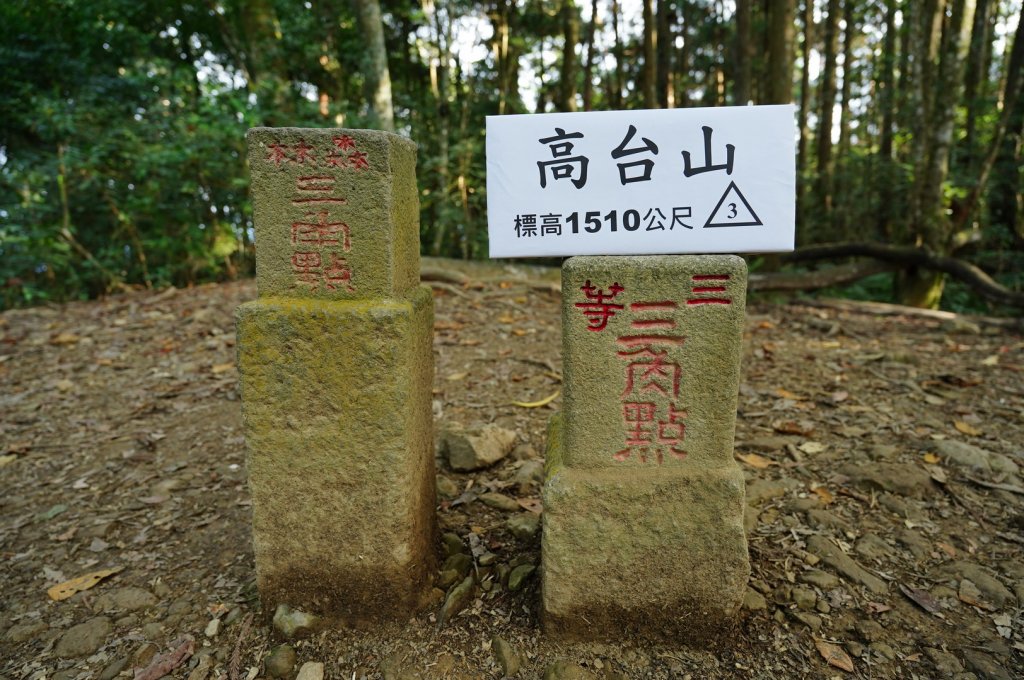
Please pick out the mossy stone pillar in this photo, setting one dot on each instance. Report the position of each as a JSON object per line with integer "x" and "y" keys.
{"x": 336, "y": 369}
{"x": 643, "y": 500}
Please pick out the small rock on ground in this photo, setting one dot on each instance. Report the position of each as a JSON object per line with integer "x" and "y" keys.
{"x": 311, "y": 670}
{"x": 292, "y": 623}
{"x": 466, "y": 452}
{"x": 506, "y": 656}
{"x": 281, "y": 662}
{"x": 85, "y": 638}
{"x": 523, "y": 525}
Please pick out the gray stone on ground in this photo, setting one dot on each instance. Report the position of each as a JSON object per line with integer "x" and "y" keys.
{"x": 506, "y": 656}
{"x": 844, "y": 564}
{"x": 945, "y": 663}
{"x": 819, "y": 578}
{"x": 85, "y": 638}
{"x": 523, "y": 525}
{"x": 991, "y": 587}
{"x": 125, "y": 599}
{"x": 311, "y": 670}
{"x": 470, "y": 451}
{"x": 281, "y": 662}
{"x": 20, "y": 632}
{"x": 975, "y": 458}
{"x": 458, "y": 597}
{"x": 499, "y": 501}
{"x": 294, "y": 623}
{"x": 985, "y": 666}
{"x": 754, "y": 601}
{"x": 905, "y": 479}
{"x": 529, "y": 473}
{"x": 447, "y": 488}
{"x": 113, "y": 669}
{"x": 518, "y": 576}
{"x": 566, "y": 670}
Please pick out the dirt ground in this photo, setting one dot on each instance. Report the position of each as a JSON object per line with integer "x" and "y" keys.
{"x": 886, "y": 509}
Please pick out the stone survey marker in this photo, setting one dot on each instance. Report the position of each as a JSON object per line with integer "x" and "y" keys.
{"x": 336, "y": 369}
{"x": 643, "y": 503}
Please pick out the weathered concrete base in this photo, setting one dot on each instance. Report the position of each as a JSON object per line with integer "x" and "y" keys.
{"x": 337, "y": 413}
{"x": 648, "y": 553}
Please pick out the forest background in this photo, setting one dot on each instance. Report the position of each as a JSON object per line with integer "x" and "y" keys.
{"x": 122, "y": 123}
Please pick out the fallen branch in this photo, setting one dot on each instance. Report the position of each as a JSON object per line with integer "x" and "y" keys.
{"x": 821, "y": 278}
{"x": 907, "y": 256}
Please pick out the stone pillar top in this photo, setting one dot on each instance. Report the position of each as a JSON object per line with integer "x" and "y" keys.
{"x": 652, "y": 348}
{"x": 336, "y": 213}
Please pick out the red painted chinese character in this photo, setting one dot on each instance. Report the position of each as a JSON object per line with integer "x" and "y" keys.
{"x": 639, "y": 416}
{"x": 306, "y": 267}
{"x": 303, "y": 152}
{"x": 278, "y": 153}
{"x": 701, "y": 292}
{"x": 336, "y": 160}
{"x": 357, "y": 159}
{"x": 599, "y": 310}
{"x": 338, "y": 274}
{"x": 344, "y": 142}
{"x": 650, "y": 371}
{"x": 316, "y": 184}
{"x": 321, "y": 232}
{"x": 665, "y": 306}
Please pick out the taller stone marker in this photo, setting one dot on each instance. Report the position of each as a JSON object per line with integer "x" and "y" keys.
{"x": 336, "y": 370}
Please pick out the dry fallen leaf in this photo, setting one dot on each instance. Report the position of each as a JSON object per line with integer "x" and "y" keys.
{"x": 921, "y": 598}
{"x": 755, "y": 461}
{"x": 534, "y": 505}
{"x": 834, "y": 655}
{"x": 786, "y": 394}
{"x": 64, "y": 339}
{"x": 63, "y": 591}
{"x": 812, "y": 447}
{"x": 802, "y": 427}
{"x": 966, "y": 428}
{"x": 536, "y": 404}
{"x": 457, "y": 376}
{"x": 824, "y": 494}
{"x": 221, "y": 368}
{"x": 931, "y": 458}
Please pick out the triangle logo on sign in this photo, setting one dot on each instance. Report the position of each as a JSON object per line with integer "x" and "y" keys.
{"x": 733, "y": 211}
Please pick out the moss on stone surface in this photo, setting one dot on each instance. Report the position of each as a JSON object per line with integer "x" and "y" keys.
{"x": 336, "y": 406}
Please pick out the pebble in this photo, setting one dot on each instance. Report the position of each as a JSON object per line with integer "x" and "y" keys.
{"x": 869, "y": 630}
{"x": 460, "y": 563}
{"x": 761, "y": 490}
{"x": 281, "y": 662}
{"x": 904, "y": 479}
{"x": 311, "y": 670}
{"x": 85, "y": 638}
{"x": 872, "y": 547}
{"x": 945, "y": 663}
{"x": 883, "y": 650}
{"x": 530, "y": 472}
{"x": 993, "y": 590}
{"x": 499, "y": 501}
{"x": 292, "y": 623}
{"x": 519, "y": 575}
{"x": 810, "y": 620}
{"x": 823, "y": 519}
{"x": 144, "y": 654}
{"x": 565, "y": 670}
{"x": 984, "y": 665}
{"x": 212, "y": 628}
{"x": 453, "y": 544}
{"x": 844, "y": 564}
{"x": 523, "y": 525}
{"x": 506, "y": 656}
{"x": 447, "y": 488}
{"x": 804, "y": 598}
{"x": 467, "y": 453}
{"x": 817, "y": 577}
{"x": 26, "y": 631}
{"x": 125, "y": 599}
{"x": 458, "y": 597}
{"x": 113, "y": 669}
{"x": 754, "y": 601}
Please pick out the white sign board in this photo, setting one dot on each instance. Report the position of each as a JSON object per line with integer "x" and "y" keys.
{"x": 712, "y": 180}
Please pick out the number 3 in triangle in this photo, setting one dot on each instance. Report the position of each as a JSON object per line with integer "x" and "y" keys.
{"x": 733, "y": 211}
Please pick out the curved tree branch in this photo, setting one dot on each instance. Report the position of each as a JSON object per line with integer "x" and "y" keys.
{"x": 906, "y": 256}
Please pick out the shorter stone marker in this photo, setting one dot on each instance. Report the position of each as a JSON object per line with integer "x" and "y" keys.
{"x": 643, "y": 500}
{"x": 336, "y": 369}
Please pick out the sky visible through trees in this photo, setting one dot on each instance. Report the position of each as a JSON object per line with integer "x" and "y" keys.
{"x": 122, "y": 123}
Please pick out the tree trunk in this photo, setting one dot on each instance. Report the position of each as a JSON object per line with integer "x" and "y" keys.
{"x": 744, "y": 53}
{"x": 975, "y": 79}
{"x": 682, "y": 87}
{"x": 666, "y": 48}
{"x": 377, "y": 78}
{"x": 825, "y": 108}
{"x": 650, "y": 67}
{"x": 588, "y": 67}
{"x": 571, "y": 35}
{"x": 780, "y": 52}
{"x": 619, "y": 80}
{"x": 805, "y": 87}
{"x": 885, "y": 176}
{"x": 842, "y": 178}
